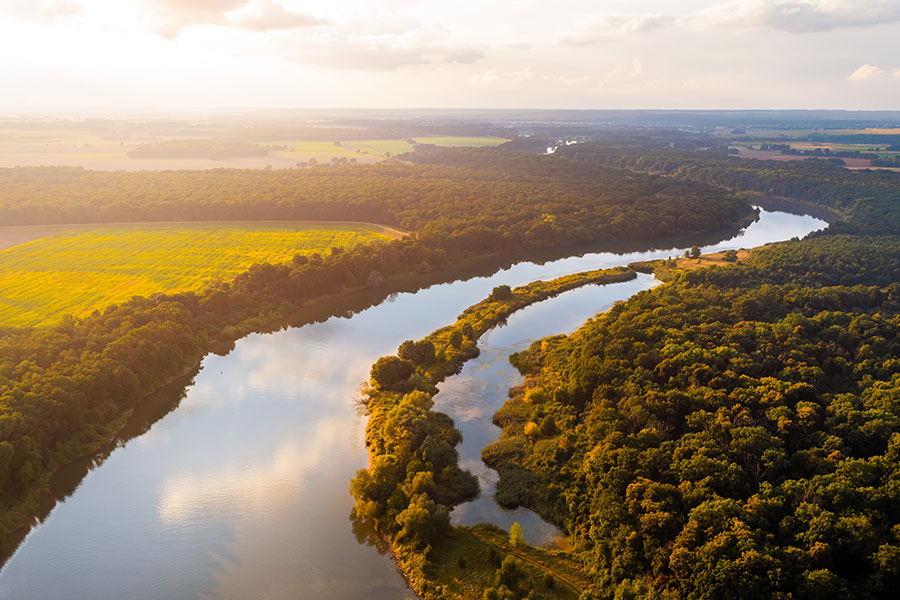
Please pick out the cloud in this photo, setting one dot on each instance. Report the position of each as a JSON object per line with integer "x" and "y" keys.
{"x": 45, "y": 10}
{"x": 383, "y": 54}
{"x": 382, "y": 43}
{"x": 604, "y": 29}
{"x": 465, "y": 56}
{"x": 869, "y": 72}
{"x": 270, "y": 16}
{"x": 640, "y": 23}
{"x": 804, "y": 16}
{"x": 255, "y": 15}
{"x": 340, "y": 54}
{"x": 493, "y": 76}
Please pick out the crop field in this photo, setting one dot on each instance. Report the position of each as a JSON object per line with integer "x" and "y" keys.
{"x": 78, "y": 270}
{"x": 109, "y": 151}
{"x": 457, "y": 142}
{"x": 380, "y": 148}
{"x": 394, "y": 147}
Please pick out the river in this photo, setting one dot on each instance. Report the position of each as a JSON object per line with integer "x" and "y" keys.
{"x": 237, "y": 487}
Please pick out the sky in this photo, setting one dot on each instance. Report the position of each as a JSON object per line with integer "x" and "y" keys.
{"x": 450, "y": 54}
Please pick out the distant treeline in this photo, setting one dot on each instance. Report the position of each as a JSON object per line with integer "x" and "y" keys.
{"x": 869, "y": 200}
{"x": 503, "y": 199}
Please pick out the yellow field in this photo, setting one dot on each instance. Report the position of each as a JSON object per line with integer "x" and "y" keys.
{"x": 78, "y": 270}
{"x": 394, "y": 147}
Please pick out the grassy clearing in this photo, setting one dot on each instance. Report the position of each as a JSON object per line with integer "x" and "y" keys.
{"x": 468, "y": 579}
{"x": 668, "y": 269}
{"x": 79, "y": 270}
{"x": 380, "y": 147}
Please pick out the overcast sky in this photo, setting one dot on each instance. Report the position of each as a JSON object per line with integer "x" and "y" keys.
{"x": 450, "y": 53}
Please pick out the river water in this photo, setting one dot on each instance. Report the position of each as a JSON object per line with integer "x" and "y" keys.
{"x": 238, "y": 486}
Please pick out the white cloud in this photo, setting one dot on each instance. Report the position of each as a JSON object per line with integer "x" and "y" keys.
{"x": 603, "y": 29}
{"x": 464, "y": 56}
{"x": 255, "y": 15}
{"x": 804, "y": 16}
{"x": 641, "y": 23}
{"x": 382, "y": 43}
{"x": 44, "y": 10}
{"x": 267, "y": 15}
{"x": 869, "y": 72}
{"x": 363, "y": 55}
{"x": 493, "y": 76}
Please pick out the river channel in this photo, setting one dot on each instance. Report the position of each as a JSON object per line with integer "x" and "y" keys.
{"x": 239, "y": 487}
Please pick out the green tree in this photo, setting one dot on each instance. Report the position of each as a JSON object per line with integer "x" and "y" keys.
{"x": 391, "y": 372}
{"x": 515, "y": 535}
{"x": 501, "y": 292}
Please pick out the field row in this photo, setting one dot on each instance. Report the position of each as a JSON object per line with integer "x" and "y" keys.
{"x": 80, "y": 270}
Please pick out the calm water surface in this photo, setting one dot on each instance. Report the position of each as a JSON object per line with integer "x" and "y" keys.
{"x": 241, "y": 492}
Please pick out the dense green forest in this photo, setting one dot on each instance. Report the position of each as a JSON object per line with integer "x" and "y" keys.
{"x": 526, "y": 200}
{"x": 64, "y": 390}
{"x": 734, "y": 433}
{"x": 869, "y": 200}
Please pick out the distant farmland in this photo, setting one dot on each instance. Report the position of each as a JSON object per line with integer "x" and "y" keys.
{"x": 80, "y": 269}
{"x": 371, "y": 150}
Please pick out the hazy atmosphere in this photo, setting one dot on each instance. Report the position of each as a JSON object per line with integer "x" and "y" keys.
{"x": 472, "y": 300}
{"x": 82, "y": 54}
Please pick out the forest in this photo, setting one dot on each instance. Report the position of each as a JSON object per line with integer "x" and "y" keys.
{"x": 869, "y": 200}
{"x": 734, "y": 433}
{"x": 528, "y": 200}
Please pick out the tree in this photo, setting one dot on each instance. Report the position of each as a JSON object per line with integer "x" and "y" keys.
{"x": 515, "y": 535}
{"x": 509, "y": 573}
{"x": 456, "y": 339}
{"x": 501, "y": 292}
{"x": 390, "y": 372}
{"x": 421, "y": 352}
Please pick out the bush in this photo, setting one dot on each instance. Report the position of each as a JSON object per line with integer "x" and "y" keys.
{"x": 493, "y": 557}
{"x": 549, "y": 581}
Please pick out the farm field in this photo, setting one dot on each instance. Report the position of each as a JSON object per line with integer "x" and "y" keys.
{"x": 851, "y": 163}
{"x": 63, "y": 148}
{"x": 373, "y": 150}
{"x": 785, "y": 134}
{"x": 77, "y": 270}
